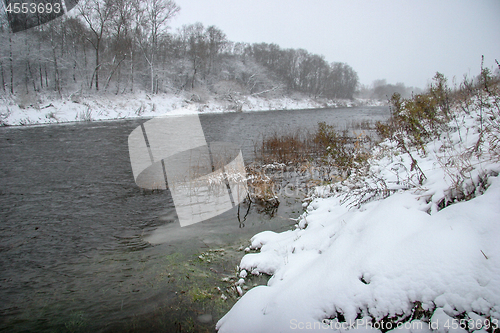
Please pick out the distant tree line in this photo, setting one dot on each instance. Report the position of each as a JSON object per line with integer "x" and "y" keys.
{"x": 305, "y": 72}
{"x": 383, "y": 91}
{"x": 121, "y": 46}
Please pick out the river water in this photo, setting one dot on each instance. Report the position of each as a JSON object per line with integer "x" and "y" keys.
{"x": 74, "y": 227}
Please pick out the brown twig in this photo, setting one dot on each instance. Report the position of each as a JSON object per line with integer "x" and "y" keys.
{"x": 483, "y": 254}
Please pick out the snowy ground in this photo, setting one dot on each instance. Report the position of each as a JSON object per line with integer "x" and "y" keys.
{"x": 417, "y": 254}
{"x": 27, "y": 110}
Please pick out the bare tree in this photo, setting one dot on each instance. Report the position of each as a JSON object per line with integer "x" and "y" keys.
{"x": 112, "y": 43}
{"x": 216, "y": 41}
{"x": 122, "y": 43}
{"x": 98, "y": 14}
{"x": 154, "y": 15}
{"x": 197, "y": 48}
{"x": 11, "y": 62}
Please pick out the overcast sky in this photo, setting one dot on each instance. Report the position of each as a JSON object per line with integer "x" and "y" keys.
{"x": 401, "y": 41}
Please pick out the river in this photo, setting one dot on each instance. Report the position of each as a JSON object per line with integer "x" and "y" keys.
{"x": 74, "y": 226}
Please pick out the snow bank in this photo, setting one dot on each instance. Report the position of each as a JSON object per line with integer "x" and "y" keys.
{"x": 362, "y": 261}
{"x": 30, "y": 109}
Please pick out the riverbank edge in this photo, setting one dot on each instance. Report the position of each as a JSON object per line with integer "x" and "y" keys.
{"x": 24, "y": 110}
{"x": 382, "y": 248}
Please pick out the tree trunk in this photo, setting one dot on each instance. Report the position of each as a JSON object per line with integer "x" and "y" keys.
{"x": 11, "y": 60}
{"x": 57, "y": 85}
{"x": 40, "y": 61}
{"x": 3, "y": 77}
{"x": 26, "y": 78}
{"x": 132, "y": 69}
{"x": 194, "y": 73}
{"x": 152, "y": 76}
{"x": 86, "y": 66}
{"x": 41, "y": 75}
{"x": 46, "y": 77}
{"x": 97, "y": 67}
{"x": 113, "y": 72}
{"x": 32, "y": 77}
{"x": 118, "y": 80}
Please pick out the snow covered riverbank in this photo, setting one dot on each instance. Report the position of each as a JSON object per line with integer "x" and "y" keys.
{"x": 28, "y": 110}
{"x": 390, "y": 249}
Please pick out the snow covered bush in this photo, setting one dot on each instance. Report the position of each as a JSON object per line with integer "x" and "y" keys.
{"x": 460, "y": 129}
{"x": 407, "y": 243}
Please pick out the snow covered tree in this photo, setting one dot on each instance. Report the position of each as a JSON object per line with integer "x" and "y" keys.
{"x": 153, "y": 19}
{"x": 98, "y": 15}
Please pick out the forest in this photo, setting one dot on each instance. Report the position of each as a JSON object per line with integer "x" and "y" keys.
{"x": 124, "y": 46}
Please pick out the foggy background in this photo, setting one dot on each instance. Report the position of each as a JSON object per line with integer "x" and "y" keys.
{"x": 400, "y": 41}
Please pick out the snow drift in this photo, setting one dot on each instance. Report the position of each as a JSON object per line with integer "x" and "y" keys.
{"x": 421, "y": 253}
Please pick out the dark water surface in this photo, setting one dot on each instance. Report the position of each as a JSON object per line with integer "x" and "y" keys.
{"x": 74, "y": 226}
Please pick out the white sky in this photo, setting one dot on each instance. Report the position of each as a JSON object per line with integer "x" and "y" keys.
{"x": 400, "y": 41}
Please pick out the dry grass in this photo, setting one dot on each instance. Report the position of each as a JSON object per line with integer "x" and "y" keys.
{"x": 287, "y": 147}
{"x": 343, "y": 148}
{"x": 300, "y": 160}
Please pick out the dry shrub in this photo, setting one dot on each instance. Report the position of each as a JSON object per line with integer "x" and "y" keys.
{"x": 342, "y": 150}
{"x": 416, "y": 120}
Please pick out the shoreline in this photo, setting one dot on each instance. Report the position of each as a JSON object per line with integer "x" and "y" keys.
{"x": 31, "y": 110}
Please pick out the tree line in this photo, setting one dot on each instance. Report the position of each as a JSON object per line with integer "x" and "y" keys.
{"x": 121, "y": 46}
{"x": 383, "y": 91}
